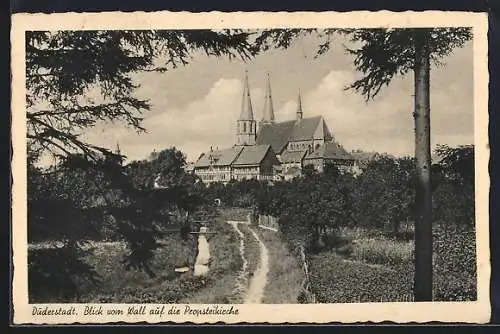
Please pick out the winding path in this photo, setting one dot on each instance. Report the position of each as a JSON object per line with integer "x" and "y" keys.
{"x": 255, "y": 291}
{"x": 259, "y": 280}
{"x": 242, "y": 278}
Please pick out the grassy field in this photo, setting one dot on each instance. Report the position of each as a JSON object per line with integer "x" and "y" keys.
{"x": 285, "y": 277}
{"x": 380, "y": 268}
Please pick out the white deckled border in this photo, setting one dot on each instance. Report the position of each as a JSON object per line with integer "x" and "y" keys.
{"x": 478, "y": 311}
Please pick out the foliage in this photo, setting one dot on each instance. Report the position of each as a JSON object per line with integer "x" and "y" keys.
{"x": 457, "y": 163}
{"x": 78, "y": 78}
{"x": 455, "y": 263}
{"x": 380, "y": 55}
{"x": 381, "y": 197}
{"x": 386, "y": 53}
{"x": 58, "y": 274}
{"x": 454, "y": 198}
{"x": 384, "y": 192}
{"x": 86, "y": 193}
{"x": 372, "y": 204}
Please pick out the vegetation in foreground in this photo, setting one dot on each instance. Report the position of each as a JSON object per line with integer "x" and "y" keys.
{"x": 381, "y": 269}
{"x": 285, "y": 277}
{"x": 116, "y": 284}
{"x": 57, "y": 130}
{"x": 349, "y": 224}
{"x": 224, "y": 268}
{"x": 252, "y": 250}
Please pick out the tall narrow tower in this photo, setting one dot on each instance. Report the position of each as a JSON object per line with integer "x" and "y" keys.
{"x": 268, "y": 114}
{"x": 246, "y": 128}
{"x": 299, "y": 113}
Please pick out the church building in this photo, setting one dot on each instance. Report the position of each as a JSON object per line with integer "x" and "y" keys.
{"x": 270, "y": 149}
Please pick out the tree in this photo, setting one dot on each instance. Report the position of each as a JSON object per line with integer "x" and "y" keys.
{"x": 75, "y": 79}
{"x": 454, "y": 197}
{"x": 382, "y": 55}
{"x": 384, "y": 192}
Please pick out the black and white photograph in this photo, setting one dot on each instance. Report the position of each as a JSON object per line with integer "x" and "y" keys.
{"x": 201, "y": 170}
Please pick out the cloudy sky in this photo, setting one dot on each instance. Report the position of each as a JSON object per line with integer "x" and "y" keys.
{"x": 195, "y": 107}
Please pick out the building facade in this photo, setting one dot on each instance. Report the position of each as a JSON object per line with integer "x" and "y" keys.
{"x": 237, "y": 163}
{"x": 273, "y": 150}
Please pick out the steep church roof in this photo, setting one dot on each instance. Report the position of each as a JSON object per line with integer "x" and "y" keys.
{"x": 219, "y": 158}
{"x": 330, "y": 150}
{"x": 252, "y": 155}
{"x": 279, "y": 134}
{"x": 305, "y": 129}
{"x": 246, "y": 113}
{"x": 275, "y": 134}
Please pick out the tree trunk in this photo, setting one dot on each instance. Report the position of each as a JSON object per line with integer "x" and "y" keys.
{"x": 423, "y": 224}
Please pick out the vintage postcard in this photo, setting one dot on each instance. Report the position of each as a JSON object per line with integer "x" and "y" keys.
{"x": 250, "y": 167}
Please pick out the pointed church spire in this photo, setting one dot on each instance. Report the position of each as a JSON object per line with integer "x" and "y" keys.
{"x": 268, "y": 114}
{"x": 246, "y": 103}
{"x": 246, "y": 126}
{"x": 299, "y": 107}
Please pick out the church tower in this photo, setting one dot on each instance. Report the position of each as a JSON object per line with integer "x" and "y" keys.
{"x": 246, "y": 127}
{"x": 268, "y": 114}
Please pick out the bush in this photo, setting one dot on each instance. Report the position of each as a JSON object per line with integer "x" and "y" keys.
{"x": 58, "y": 274}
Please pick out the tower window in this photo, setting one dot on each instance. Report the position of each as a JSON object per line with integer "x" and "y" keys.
{"x": 245, "y": 127}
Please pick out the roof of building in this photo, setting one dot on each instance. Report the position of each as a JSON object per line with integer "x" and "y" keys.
{"x": 305, "y": 129}
{"x": 279, "y": 134}
{"x": 268, "y": 114}
{"x": 292, "y": 156}
{"x": 275, "y": 134}
{"x": 330, "y": 150}
{"x": 219, "y": 157}
{"x": 252, "y": 155}
{"x": 246, "y": 102}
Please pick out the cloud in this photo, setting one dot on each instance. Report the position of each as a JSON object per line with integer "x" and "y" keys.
{"x": 193, "y": 107}
{"x": 385, "y": 124}
{"x": 193, "y": 128}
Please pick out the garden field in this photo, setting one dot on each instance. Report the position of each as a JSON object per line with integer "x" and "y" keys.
{"x": 381, "y": 269}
